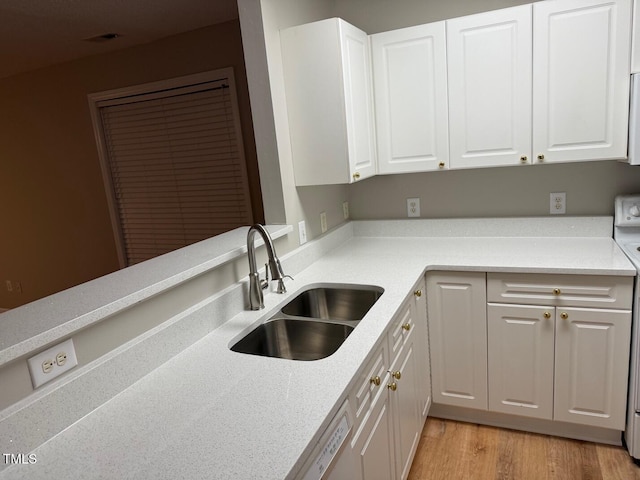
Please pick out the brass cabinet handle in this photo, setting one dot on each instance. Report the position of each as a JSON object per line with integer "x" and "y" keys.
{"x": 392, "y": 386}
{"x": 564, "y": 315}
{"x": 547, "y": 315}
{"x": 524, "y": 159}
{"x": 406, "y": 327}
{"x": 375, "y": 380}
{"x": 557, "y": 291}
{"x": 418, "y": 293}
{"x": 441, "y": 165}
{"x": 397, "y": 374}
{"x": 541, "y": 157}
{"x": 356, "y": 175}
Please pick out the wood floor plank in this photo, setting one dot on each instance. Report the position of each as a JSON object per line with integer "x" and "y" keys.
{"x": 451, "y": 450}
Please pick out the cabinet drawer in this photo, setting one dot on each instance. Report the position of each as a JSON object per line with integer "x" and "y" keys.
{"x": 402, "y": 328}
{"x": 561, "y": 290}
{"x": 368, "y": 387}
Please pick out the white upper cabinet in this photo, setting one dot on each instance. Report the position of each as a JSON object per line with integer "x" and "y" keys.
{"x": 635, "y": 38}
{"x": 489, "y": 65}
{"x": 327, "y": 76}
{"x": 581, "y": 51}
{"x": 410, "y": 93}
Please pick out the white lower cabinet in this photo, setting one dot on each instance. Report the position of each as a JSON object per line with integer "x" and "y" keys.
{"x": 550, "y": 354}
{"x": 520, "y": 359}
{"x": 590, "y": 351}
{"x": 458, "y": 338}
{"x": 392, "y": 406}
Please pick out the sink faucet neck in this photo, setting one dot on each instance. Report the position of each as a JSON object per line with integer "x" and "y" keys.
{"x": 256, "y": 297}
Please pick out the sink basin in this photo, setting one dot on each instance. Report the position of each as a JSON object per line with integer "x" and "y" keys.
{"x": 294, "y": 339}
{"x": 333, "y": 303}
{"x": 313, "y": 325}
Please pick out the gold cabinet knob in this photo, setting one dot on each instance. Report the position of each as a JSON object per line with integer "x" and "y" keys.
{"x": 546, "y": 315}
{"x": 393, "y": 386}
{"x": 541, "y": 157}
{"x": 564, "y": 315}
{"x": 441, "y": 165}
{"x": 397, "y": 374}
{"x": 406, "y": 327}
{"x": 557, "y": 291}
{"x": 356, "y": 175}
{"x": 418, "y": 293}
{"x": 524, "y": 159}
{"x": 375, "y": 380}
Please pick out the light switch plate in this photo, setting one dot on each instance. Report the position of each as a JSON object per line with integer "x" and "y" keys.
{"x": 53, "y": 362}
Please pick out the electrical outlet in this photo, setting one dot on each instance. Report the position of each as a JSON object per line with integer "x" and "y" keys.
{"x": 323, "y": 222}
{"x": 51, "y": 363}
{"x": 345, "y": 210}
{"x": 413, "y": 207}
{"x": 558, "y": 203}
{"x": 302, "y": 232}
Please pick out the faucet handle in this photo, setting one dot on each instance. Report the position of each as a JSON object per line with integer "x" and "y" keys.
{"x": 265, "y": 283}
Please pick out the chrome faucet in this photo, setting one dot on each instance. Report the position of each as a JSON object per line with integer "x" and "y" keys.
{"x": 256, "y": 298}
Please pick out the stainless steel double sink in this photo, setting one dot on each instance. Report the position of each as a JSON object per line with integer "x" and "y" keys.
{"x": 313, "y": 325}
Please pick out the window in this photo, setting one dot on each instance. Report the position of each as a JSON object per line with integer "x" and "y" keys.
{"x": 173, "y": 163}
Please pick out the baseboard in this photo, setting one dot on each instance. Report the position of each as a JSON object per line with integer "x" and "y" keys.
{"x": 515, "y": 422}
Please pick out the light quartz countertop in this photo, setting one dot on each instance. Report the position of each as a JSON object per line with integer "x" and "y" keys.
{"x": 212, "y": 413}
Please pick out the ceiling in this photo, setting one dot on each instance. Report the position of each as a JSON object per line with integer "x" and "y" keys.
{"x": 39, "y": 33}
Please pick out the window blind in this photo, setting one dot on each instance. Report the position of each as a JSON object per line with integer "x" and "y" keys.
{"x": 177, "y": 167}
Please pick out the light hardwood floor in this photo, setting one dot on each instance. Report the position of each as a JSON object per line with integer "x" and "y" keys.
{"x": 451, "y": 450}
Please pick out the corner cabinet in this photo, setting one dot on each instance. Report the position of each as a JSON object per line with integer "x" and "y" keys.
{"x": 392, "y": 397}
{"x": 328, "y": 88}
{"x": 410, "y": 96}
{"x": 458, "y": 338}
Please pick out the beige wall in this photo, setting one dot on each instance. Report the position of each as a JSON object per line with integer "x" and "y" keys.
{"x": 56, "y": 230}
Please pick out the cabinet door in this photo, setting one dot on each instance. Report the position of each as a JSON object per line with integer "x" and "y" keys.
{"x": 373, "y": 445}
{"x": 635, "y": 38}
{"x": 581, "y": 79}
{"x": 521, "y": 343}
{"x": 327, "y": 79}
{"x": 489, "y": 64}
{"x": 410, "y": 93}
{"x": 356, "y": 62}
{"x": 405, "y": 406}
{"x": 592, "y": 366}
{"x": 458, "y": 338}
{"x": 422, "y": 347}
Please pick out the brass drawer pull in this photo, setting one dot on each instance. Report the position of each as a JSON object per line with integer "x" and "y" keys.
{"x": 392, "y": 386}
{"x": 375, "y": 380}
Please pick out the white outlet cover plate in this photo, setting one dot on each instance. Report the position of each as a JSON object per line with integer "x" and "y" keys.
{"x": 302, "y": 232}
{"x": 413, "y": 207}
{"x": 558, "y": 203}
{"x": 38, "y": 377}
